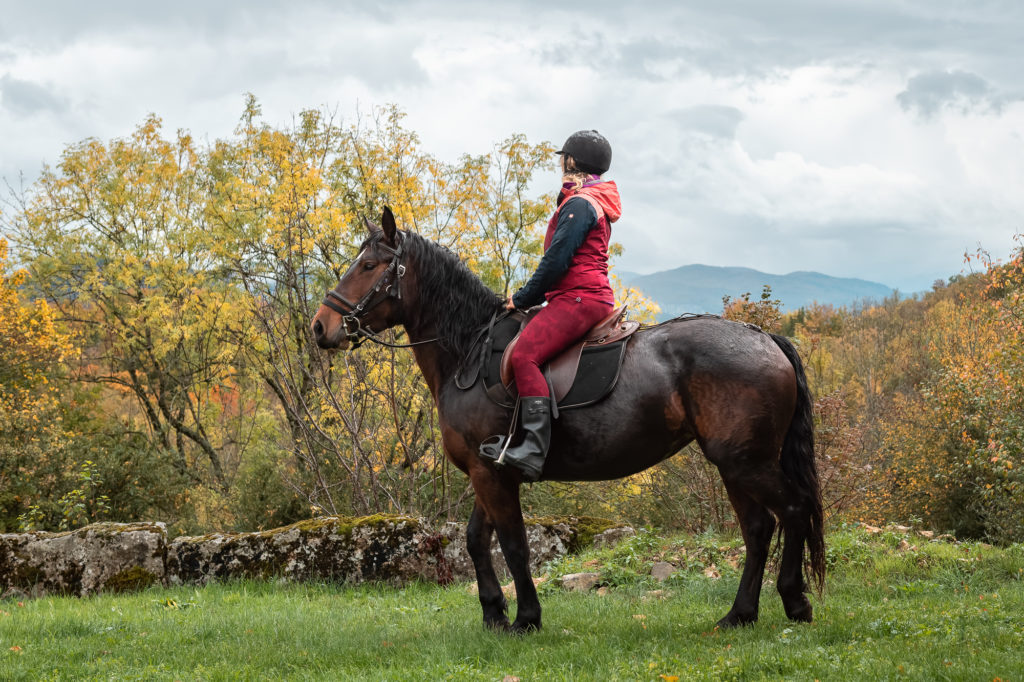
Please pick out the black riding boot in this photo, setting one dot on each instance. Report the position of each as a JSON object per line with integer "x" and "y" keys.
{"x": 528, "y": 456}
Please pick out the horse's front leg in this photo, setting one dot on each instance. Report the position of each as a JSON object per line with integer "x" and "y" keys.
{"x": 498, "y": 494}
{"x": 478, "y": 542}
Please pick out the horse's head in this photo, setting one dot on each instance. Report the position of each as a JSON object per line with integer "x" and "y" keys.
{"x": 367, "y": 298}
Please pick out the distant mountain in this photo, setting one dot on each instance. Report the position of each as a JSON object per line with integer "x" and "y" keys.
{"x": 700, "y": 288}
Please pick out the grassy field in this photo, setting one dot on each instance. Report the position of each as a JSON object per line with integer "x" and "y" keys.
{"x": 897, "y": 606}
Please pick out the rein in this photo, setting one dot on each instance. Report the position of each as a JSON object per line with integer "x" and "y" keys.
{"x": 378, "y": 293}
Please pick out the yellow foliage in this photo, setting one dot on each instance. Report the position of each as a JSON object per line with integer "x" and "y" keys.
{"x": 31, "y": 350}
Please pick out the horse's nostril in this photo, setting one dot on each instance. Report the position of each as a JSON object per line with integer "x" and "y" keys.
{"x": 318, "y": 329}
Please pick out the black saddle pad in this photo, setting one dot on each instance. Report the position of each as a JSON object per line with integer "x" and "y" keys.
{"x": 598, "y": 369}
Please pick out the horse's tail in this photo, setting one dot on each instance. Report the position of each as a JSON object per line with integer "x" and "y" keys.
{"x": 799, "y": 466}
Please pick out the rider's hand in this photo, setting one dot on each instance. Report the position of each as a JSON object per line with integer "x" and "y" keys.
{"x": 509, "y": 305}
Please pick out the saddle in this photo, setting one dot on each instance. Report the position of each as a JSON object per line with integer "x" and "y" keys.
{"x": 580, "y": 375}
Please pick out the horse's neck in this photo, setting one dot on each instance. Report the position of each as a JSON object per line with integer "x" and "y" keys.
{"x": 434, "y": 360}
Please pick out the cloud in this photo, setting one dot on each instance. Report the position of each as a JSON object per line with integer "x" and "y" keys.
{"x": 930, "y": 92}
{"x": 711, "y": 119}
{"x": 745, "y": 133}
{"x": 24, "y": 98}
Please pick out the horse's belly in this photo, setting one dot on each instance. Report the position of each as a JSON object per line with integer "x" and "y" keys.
{"x": 599, "y": 456}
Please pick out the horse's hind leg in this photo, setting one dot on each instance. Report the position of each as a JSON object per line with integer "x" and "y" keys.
{"x": 478, "y": 541}
{"x": 795, "y": 516}
{"x": 757, "y": 525}
{"x": 793, "y": 510}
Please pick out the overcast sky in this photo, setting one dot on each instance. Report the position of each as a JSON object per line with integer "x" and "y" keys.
{"x": 860, "y": 138}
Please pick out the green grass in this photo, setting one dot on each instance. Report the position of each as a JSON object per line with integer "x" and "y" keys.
{"x": 935, "y": 610}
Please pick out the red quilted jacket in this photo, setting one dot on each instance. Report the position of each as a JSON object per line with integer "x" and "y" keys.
{"x": 587, "y": 276}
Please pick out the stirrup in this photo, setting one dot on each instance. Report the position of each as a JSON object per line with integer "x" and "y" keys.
{"x": 494, "y": 447}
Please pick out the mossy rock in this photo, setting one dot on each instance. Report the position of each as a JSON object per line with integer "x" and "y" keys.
{"x": 131, "y": 580}
{"x": 347, "y": 549}
{"x": 583, "y": 528}
{"x": 96, "y": 558}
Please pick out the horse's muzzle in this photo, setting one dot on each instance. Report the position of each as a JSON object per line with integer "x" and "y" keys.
{"x": 338, "y": 340}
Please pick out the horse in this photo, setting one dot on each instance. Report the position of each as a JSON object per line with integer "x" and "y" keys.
{"x": 740, "y": 392}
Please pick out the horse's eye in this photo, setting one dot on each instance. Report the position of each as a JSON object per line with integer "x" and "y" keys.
{"x": 369, "y": 265}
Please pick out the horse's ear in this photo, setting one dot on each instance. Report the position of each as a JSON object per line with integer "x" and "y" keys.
{"x": 370, "y": 227}
{"x": 387, "y": 222}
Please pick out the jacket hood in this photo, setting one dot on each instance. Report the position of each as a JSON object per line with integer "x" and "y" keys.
{"x": 606, "y": 194}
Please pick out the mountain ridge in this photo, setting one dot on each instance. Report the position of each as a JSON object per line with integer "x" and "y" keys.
{"x": 698, "y": 288}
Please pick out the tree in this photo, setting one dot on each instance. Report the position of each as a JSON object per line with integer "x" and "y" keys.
{"x": 510, "y": 224}
{"x": 32, "y": 350}
{"x": 114, "y": 238}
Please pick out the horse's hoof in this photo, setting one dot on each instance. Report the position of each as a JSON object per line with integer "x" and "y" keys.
{"x": 801, "y": 610}
{"x": 497, "y": 625}
{"x": 736, "y": 620}
{"x": 522, "y": 628}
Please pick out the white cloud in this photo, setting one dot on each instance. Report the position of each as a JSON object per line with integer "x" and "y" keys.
{"x": 860, "y": 138}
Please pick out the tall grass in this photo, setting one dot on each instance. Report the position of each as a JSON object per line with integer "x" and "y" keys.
{"x": 897, "y": 606}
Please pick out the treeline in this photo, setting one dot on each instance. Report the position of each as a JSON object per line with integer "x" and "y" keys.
{"x": 155, "y": 360}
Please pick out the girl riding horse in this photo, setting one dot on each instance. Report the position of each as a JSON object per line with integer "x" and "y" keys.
{"x": 573, "y": 278}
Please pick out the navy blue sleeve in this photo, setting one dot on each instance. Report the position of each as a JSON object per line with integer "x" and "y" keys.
{"x": 575, "y": 221}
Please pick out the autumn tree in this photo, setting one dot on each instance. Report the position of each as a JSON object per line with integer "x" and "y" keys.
{"x": 954, "y": 448}
{"x": 32, "y": 438}
{"x": 509, "y": 220}
{"x": 114, "y": 237}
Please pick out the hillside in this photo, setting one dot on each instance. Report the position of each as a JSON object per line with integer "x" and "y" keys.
{"x": 700, "y": 288}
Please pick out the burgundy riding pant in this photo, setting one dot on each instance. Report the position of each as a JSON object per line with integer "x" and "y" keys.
{"x": 564, "y": 320}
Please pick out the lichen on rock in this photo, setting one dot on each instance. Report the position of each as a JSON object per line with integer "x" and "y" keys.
{"x": 338, "y": 549}
{"x": 386, "y": 548}
{"x": 96, "y": 558}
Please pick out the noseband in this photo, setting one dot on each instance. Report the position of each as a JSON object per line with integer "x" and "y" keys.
{"x": 383, "y": 289}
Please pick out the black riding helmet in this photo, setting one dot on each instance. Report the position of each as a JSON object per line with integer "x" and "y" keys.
{"x": 591, "y": 150}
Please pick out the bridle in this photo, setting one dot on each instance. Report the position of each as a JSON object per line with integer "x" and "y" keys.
{"x": 383, "y": 289}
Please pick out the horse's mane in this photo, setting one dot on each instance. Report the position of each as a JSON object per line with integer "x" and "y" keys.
{"x": 451, "y": 297}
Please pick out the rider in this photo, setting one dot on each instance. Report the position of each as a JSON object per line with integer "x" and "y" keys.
{"x": 573, "y": 278}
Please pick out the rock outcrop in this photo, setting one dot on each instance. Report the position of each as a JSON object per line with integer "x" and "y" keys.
{"x": 383, "y": 548}
{"x": 392, "y": 549}
{"x": 103, "y": 557}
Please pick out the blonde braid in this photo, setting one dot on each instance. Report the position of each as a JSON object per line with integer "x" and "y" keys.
{"x": 573, "y": 175}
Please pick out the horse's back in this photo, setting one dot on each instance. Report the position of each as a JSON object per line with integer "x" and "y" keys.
{"x": 718, "y": 346}
{"x": 723, "y": 383}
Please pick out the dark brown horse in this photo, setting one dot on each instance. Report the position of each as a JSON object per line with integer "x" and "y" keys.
{"x": 739, "y": 392}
